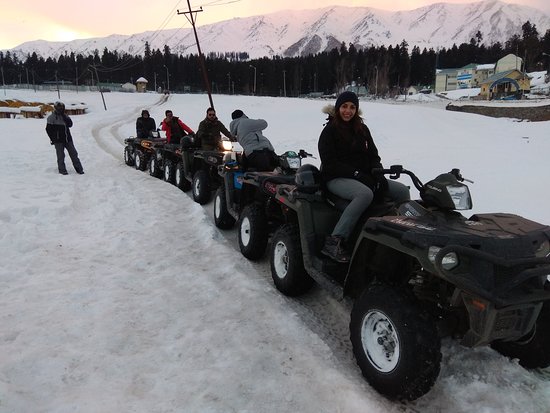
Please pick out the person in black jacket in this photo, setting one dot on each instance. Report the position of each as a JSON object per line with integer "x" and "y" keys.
{"x": 57, "y": 128}
{"x": 145, "y": 124}
{"x": 348, "y": 155}
{"x": 210, "y": 130}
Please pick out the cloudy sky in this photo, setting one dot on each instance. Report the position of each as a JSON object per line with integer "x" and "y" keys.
{"x": 64, "y": 20}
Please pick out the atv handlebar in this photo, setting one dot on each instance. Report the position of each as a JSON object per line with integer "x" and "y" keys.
{"x": 303, "y": 154}
{"x": 395, "y": 172}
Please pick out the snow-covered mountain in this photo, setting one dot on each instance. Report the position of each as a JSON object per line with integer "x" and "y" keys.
{"x": 293, "y": 33}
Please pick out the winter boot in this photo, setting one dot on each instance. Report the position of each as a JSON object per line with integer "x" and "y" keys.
{"x": 334, "y": 249}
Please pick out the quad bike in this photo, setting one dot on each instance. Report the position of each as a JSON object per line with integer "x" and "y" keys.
{"x": 138, "y": 151}
{"x": 246, "y": 196}
{"x": 189, "y": 167}
{"x": 421, "y": 271}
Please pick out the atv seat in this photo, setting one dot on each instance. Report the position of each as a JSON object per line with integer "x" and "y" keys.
{"x": 273, "y": 177}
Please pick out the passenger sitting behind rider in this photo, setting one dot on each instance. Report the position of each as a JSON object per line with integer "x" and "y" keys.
{"x": 210, "y": 130}
{"x": 175, "y": 129}
{"x": 348, "y": 155}
{"x": 258, "y": 150}
{"x": 145, "y": 124}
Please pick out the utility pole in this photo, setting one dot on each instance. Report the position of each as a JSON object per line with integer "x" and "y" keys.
{"x": 3, "y": 82}
{"x": 167, "y": 79}
{"x": 191, "y": 17}
{"x": 254, "y": 67}
{"x": 284, "y": 83}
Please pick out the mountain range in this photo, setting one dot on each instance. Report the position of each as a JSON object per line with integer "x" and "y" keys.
{"x": 303, "y": 32}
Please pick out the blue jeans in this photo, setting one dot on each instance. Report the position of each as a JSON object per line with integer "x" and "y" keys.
{"x": 361, "y": 197}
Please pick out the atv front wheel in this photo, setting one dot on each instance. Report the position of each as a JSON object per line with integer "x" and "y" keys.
{"x": 154, "y": 167}
{"x": 287, "y": 264}
{"x": 395, "y": 343}
{"x": 139, "y": 160}
{"x": 180, "y": 179}
{"x": 168, "y": 171}
{"x": 201, "y": 187}
{"x": 533, "y": 351}
{"x": 222, "y": 218}
{"x": 252, "y": 232}
{"x": 128, "y": 159}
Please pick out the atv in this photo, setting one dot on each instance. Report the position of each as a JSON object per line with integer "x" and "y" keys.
{"x": 420, "y": 271}
{"x": 246, "y": 197}
{"x": 189, "y": 167}
{"x": 138, "y": 151}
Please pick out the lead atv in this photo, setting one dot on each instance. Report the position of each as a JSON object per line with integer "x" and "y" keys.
{"x": 138, "y": 151}
{"x": 246, "y": 197}
{"x": 421, "y": 271}
{"x": 188, "y": 167}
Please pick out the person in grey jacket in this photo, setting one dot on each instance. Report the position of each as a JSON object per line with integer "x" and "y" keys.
{"x": 57, "y": 128}
{"x": 258, "y": 151}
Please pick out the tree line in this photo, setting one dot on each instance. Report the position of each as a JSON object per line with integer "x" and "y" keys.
{"x": 382, "y": 70}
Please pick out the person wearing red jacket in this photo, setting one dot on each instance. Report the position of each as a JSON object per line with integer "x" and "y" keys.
{"x": 175, "y": 129}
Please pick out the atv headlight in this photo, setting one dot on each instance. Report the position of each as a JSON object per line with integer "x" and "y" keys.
{"x": 460, "y": 196}
{"x": 543, "y": 250}
{"x": 227, "y": 146}
{"x": 448, "y": 262}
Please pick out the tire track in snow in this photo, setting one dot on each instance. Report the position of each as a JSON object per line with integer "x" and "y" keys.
{"x": 104, "y": 133}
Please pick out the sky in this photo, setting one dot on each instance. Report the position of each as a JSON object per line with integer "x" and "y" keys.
{"x": 66, "y": 20}
{"x": 119, "y": 294}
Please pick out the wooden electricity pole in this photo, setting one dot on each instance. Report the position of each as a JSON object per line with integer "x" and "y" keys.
{"x": 191, "y": 17}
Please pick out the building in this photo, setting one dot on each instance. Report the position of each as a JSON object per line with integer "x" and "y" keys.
{"x": 141, "y": 85}
{"x": 509, "y": 84}
{"x": 509, "y": 62}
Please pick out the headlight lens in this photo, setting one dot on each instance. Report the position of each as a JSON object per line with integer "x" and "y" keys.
{"x": 449, "y": 261}
{"x": 543, "y": 250}
{"x": 226, "y": 145}
{"x": 460, "y": 196}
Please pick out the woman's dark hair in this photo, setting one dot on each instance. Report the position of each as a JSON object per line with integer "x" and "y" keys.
{"x": 356, "y": 122}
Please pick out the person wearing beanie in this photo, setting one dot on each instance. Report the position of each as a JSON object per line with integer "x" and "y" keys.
{"x": 348, "y": 155}
{"x": 145, "y": 124}
{"x": 258, "y": 151}
{"x": 58, "y": 126}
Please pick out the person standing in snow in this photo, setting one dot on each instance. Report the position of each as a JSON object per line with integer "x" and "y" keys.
{"x": 348, "y": 156}
{"x": 258, "y": 151}
{"x": 145, "y": 124}
{"x": 57, "y": 128}
{"x": 210, "y": 130}
{"x": 175, "y": 129}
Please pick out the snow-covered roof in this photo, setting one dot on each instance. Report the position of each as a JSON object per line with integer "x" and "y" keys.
{"x": 142, "y": 80}
{"x": 487, "y": 66}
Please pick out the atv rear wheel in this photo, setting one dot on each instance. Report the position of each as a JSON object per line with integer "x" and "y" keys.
{"x": 287, "y": 264}
{"x": 533, "y": 350}
{"x": 168, "y": 171}
{"x": 252, "y": 232}
{"x": 139, "y": 160}
{"x": 201, "y": 187}
{"x": 180, "y": 179}
{"x": 222, "y": 218}
{"x": 128, "y": 159}
{"x": 395, "y": 343}
{"x": 154, "y": 169}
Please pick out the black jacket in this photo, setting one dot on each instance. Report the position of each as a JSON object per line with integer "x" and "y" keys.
{"x": 344, "y": 151}
{"x": 57, "y": 128}
{"x": 144, "y": 126}
{"x": 209, "y": 133}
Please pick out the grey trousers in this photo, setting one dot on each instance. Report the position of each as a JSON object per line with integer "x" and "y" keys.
{"x": 361, "y": 197}
{"x": 60, "y": 151}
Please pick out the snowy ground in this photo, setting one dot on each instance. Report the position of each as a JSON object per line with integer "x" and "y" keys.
{"x": 118, "y": 293}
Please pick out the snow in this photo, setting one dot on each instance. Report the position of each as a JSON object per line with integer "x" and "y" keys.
{"x": 118, "y": 293}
